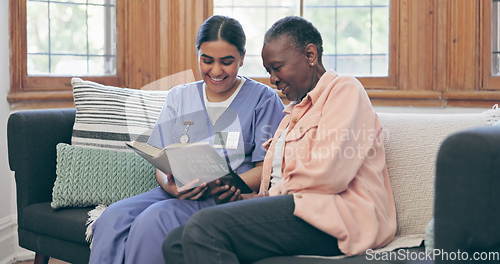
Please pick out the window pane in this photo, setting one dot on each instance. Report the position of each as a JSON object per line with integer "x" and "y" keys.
{"x": 79, "y": 32}
{"x": 323, "y": 18}
{"x": 69, "y": 65}
{"x": 103, "y": 2}
{"x": 354, "y": 2}
{"x": 91, "y": 2}
{"x": 69, "y": 1}
{"x": 38, "y": 64}
{"x": 99, "y": 21}
{"x": 354, "y": 64}
{"x": 97, "y": 63}
{"x": 380, "y": 30}
{"x": 255, "y": 17}
{"x": 379, "y": 65}
{"x": 68, "y": 31}
{"x": 495, "y": 39}
{"x": 355, "y": 32}
{"x": 38, "y": 27}
{"x": 253, "y": 66}
{"x": 380, "y": 2}
{"x": 344, "y": 3}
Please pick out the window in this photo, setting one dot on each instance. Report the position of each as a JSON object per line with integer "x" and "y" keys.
{"x": 495, "y": 40}
{"x": 124, "y": 43}
{"x": 71, "y": 37}
{"x": 490, "y": 42}
{"x": 355, "y": 33}
{"x": 53, "y": 40}
{"x": 405, "y": 52}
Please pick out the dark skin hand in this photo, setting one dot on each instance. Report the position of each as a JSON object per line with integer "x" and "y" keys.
{"x": 231, "y": 194}
{"x": 167, "y": 183}
{"x": 221, "y": 192}
{"x": 224, "y": 193}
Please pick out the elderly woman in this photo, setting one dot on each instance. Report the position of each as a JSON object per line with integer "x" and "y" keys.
{"x": 329, "y": 190}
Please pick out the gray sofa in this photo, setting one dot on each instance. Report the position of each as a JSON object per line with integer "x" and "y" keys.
{"x": 33, "y": 135}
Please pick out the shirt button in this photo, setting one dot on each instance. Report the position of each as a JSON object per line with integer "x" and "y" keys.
{"x": 299, "y": 196}
{"x": 294, "y": 120}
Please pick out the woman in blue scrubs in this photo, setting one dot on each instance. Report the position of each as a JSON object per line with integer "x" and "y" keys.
{"x": 233, "y": 113}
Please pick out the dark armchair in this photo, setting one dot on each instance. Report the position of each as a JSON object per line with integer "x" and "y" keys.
{"x": 467, "y": 207}
{"x": 32, "y": 137}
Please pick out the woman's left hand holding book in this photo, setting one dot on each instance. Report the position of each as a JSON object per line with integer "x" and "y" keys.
{"x": 167, "y": 183}
{"x": 221, "y": 192}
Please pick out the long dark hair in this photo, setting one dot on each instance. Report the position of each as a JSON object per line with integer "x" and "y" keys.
{"x": 222, "y": 27}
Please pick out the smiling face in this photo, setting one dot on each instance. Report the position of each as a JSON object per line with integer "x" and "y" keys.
{"x": 219, "y": 63}
{"x": 288, "y": 66}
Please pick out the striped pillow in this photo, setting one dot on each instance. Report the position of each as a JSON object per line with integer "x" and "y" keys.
{"x": 107, "y": 117}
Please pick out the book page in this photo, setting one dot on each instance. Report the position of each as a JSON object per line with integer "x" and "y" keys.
{"x": 145, "y": 148}
{"x": 195, "y": 164}
{"x": 157, "y": 157}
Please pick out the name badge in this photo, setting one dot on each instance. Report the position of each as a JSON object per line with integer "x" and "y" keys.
{"x": 230, "y": 138}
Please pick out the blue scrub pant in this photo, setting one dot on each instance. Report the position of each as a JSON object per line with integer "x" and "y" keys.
{"x": 132, "y": 230}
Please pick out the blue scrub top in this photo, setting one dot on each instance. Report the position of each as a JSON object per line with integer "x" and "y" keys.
{"x": 255, "y": 113}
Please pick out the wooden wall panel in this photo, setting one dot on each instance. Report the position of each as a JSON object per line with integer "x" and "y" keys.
{"x": 463, "y": 25}
{"x": 143, "y": 42}
{"x": 178, "y": 34}
{"x": 163, "y": 42}
{"x": 441, "y": 75}
{"x": 417, "y": 44}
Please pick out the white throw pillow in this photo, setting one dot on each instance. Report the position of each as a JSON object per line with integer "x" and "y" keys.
{"x": 107, "y": 116}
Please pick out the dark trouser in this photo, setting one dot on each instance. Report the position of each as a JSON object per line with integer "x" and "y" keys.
{"x": 246, "y": 231}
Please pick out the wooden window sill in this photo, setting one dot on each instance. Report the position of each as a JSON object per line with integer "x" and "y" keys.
{"x": 39, "y": 100}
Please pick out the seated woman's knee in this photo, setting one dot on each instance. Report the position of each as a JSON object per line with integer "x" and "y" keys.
{"x": 205, "y": 223}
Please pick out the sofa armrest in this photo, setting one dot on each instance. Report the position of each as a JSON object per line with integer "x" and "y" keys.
{"x": 467, "y": 205}
{"x": 32, "y": 138}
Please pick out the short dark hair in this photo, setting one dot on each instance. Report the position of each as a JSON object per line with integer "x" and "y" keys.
{"x": 300, "y": 30}
{"x": 222, "y": 27}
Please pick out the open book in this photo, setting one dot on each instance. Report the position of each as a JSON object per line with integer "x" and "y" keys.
{"x": 190, "y": 164}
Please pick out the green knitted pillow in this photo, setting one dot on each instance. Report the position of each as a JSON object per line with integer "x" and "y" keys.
{"x": 89, "y": 176}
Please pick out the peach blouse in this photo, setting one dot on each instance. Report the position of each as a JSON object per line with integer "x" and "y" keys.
{"x": 334, "y": 165}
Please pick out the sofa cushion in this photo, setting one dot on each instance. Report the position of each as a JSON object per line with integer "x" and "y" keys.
{"x": 411, "y": 142}
{"x": 66, "y": 224}
{"x": 107, "y": 117}
{"x": 89, "y": 176}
